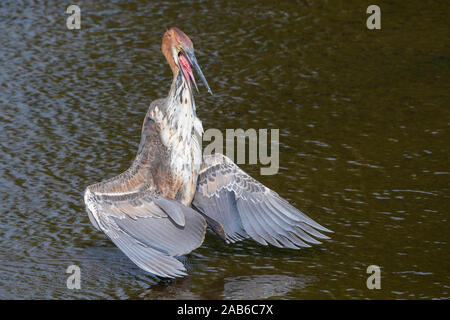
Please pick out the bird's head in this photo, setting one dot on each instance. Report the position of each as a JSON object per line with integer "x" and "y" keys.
{"x": 179, "y": 52}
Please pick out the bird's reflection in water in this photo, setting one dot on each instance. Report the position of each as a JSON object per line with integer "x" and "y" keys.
{"x": 122, "y": 280}
{"x": 264, "y": 286}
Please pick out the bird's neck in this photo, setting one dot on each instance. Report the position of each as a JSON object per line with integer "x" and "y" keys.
{"x": 181, "y": 109}
{"x": 181, "y": 133}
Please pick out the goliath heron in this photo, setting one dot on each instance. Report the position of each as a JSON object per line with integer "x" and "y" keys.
{"x": 160, "y": 207}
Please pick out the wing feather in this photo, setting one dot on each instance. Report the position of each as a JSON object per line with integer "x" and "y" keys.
{"x": 149, "y": 229}
{"x": 247, "y": 209}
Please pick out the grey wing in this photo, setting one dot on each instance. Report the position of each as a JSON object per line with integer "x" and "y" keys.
{"x": 237, "y": 206}
{"x": 149, "y": 229}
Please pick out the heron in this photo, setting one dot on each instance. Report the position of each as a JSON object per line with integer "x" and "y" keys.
{"x": 160, "y": 207}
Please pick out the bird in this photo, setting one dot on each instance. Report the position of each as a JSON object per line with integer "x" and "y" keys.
{"x": 160, "y": 207}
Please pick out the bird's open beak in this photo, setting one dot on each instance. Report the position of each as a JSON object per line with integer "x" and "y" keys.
{"x": 186, "y": 68}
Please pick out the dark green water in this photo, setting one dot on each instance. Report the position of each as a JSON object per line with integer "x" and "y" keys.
{"x": 364, "y": 141}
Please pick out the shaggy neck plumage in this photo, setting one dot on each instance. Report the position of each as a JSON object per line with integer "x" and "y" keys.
{"x": 181, "y": 130}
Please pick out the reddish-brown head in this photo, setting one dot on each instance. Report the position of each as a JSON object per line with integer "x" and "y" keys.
{"x": 179, "y": 52}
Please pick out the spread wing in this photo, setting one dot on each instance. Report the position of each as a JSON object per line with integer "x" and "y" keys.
{"x": 237, "y": 206}
{"x": 149, "y": 229}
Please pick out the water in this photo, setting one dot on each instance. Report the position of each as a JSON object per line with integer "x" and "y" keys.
{"x": 363, "y": 118}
